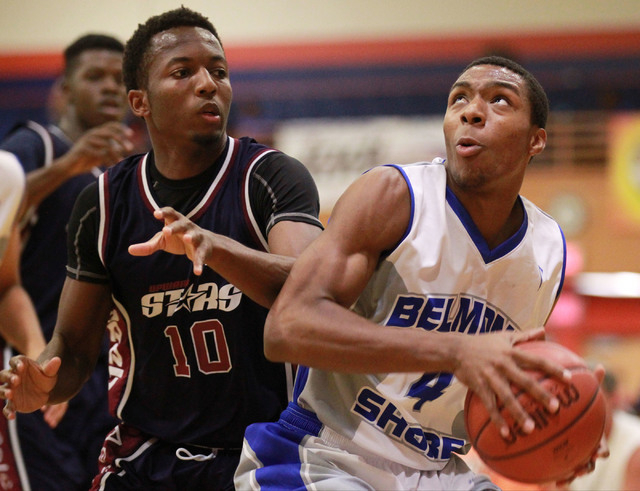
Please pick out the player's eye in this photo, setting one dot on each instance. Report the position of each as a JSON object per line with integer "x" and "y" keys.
{"x": 500, "y": 99}
{"x": 456, "y": 98}
{"x": 180, "y": 73}
{"x": 219, "y": 73}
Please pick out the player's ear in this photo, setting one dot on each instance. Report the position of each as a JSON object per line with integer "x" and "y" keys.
{"x": 64, "y": 88}
{"x": 138, "y": 102}
{"x": 538, "y": 141}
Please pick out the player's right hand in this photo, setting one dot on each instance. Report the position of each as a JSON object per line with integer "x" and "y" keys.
{"x": 490, "y": 365}
{"x": 53, "y": 414}
{"x": 104, "y": 145}
{"x": 178, "y": 236}
{"x": 26, "y": 384}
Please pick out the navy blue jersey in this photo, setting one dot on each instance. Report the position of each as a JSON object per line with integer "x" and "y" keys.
{"x": 186, "y": 359}
{"x": 44, "y": 255}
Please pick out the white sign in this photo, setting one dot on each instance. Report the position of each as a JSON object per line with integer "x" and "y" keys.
{"x": 337, "y": 151}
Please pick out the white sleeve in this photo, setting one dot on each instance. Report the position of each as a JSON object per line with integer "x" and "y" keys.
{"x": 12, "y": 184}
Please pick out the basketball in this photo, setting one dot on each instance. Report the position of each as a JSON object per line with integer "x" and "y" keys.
{"x": 560, "y": 442}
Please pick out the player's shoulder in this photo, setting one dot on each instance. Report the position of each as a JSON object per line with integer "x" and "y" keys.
{"x": 275, "y": 166}
{"x": 415, "y": 173}
{"x": 29, "y": 132}
{"x": 126, "y": 165}
{"x": 435, "y": 164}
{"x": 11, "y": 170}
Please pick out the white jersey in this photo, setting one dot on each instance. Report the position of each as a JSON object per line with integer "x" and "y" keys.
{"x": 12, "y": 183}
{"x": 441, "y": 277}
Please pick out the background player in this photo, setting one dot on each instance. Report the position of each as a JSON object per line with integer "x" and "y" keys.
{"x": 187, "y": 366}
{"x": 446, "y": 268}
{"x": 60, "y": 160}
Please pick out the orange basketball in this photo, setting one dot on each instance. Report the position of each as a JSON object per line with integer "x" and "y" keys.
{"x": 560, "y": 442}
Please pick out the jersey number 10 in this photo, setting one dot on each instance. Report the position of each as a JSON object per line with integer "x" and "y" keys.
{"x": 203, "y": 335}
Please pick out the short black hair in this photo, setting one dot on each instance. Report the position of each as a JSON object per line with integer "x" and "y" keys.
{"x": 88, "y": 42}
{"x": 136, "y": 62}
{"x": 536, "y": 94}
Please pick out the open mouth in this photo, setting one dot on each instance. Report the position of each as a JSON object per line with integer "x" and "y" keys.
{"x": 467, "y": 142}
{"x": 467, "y": 146}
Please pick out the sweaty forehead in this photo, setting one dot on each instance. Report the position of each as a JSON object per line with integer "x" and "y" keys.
{"x": 181, "y": 36}
{"x": 489, "y": 75}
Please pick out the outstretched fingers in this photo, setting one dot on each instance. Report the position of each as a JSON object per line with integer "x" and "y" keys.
{"x": 147, "y": 248}
{"x": 161, "y": 241}
{"x": 179, "y": 235}
{"x": 487, "y": 395}
{"x": 520, "y": 375}
{"x": 196, "y": 253}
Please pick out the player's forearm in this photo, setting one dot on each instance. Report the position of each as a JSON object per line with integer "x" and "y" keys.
{"x": 74, "y": 371}
{"x": 259, "y": 275}
{"x": 20, "y": 326}
{"x": 330, "y": 337}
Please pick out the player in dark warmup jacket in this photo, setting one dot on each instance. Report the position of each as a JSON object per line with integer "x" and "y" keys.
{"x": 60, "y": 160}
{"x": 187, "y": 368}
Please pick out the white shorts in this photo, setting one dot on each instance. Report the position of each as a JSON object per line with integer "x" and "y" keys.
{"x": 285, "y": 455}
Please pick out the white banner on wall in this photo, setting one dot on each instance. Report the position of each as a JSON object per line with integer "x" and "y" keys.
{"x": 337, "y": 151}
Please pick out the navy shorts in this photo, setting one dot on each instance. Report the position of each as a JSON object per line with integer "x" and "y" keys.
{"x": 132, "y": 460}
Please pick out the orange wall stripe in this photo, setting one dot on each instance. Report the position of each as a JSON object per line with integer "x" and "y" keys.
{"x": 395, "y": 51}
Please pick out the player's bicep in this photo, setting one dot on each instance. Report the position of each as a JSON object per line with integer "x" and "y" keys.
{"x": 369, "y": 219}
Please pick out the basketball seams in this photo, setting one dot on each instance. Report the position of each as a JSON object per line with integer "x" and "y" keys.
{"x": 561, "y": 441}
{"x": 542, "y": 443}
{"x": 485, "y": 425}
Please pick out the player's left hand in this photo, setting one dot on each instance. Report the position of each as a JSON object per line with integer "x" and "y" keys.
{"x": 178, "y": 236}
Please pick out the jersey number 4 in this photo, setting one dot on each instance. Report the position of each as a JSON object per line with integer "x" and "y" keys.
{"x": 429, "y": 387}
{"x": 209, "y": 345}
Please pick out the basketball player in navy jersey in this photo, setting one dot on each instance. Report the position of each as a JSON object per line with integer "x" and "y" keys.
{"x": 426, "y": 277}
{"x": 187, "y": 366}
{"x": 60, "y": 160}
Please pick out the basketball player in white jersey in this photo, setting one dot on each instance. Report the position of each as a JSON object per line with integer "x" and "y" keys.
{"x": 19, "y": 324}
{"x": 424, "y": 280}
{"x": 12, "y": 182}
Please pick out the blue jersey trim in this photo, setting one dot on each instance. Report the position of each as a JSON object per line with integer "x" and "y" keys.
{"x": 413, "y": 207}
{"x": 301, "y": 419}
{"x": 564, "y": 262}
{"x": 302, "y": 373}
{"x": 487, "y": 254}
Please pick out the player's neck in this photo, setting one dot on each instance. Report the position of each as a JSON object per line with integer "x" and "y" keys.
{"x": 175, "y": 162}
{"x": 70, "y": 127}
{"x": 495, "y": 221}
{"x": 497, "y": 228}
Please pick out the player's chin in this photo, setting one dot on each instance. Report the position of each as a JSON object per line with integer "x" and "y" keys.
{"x": 207, "y": 138}
{"x": 108, "y": 117}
